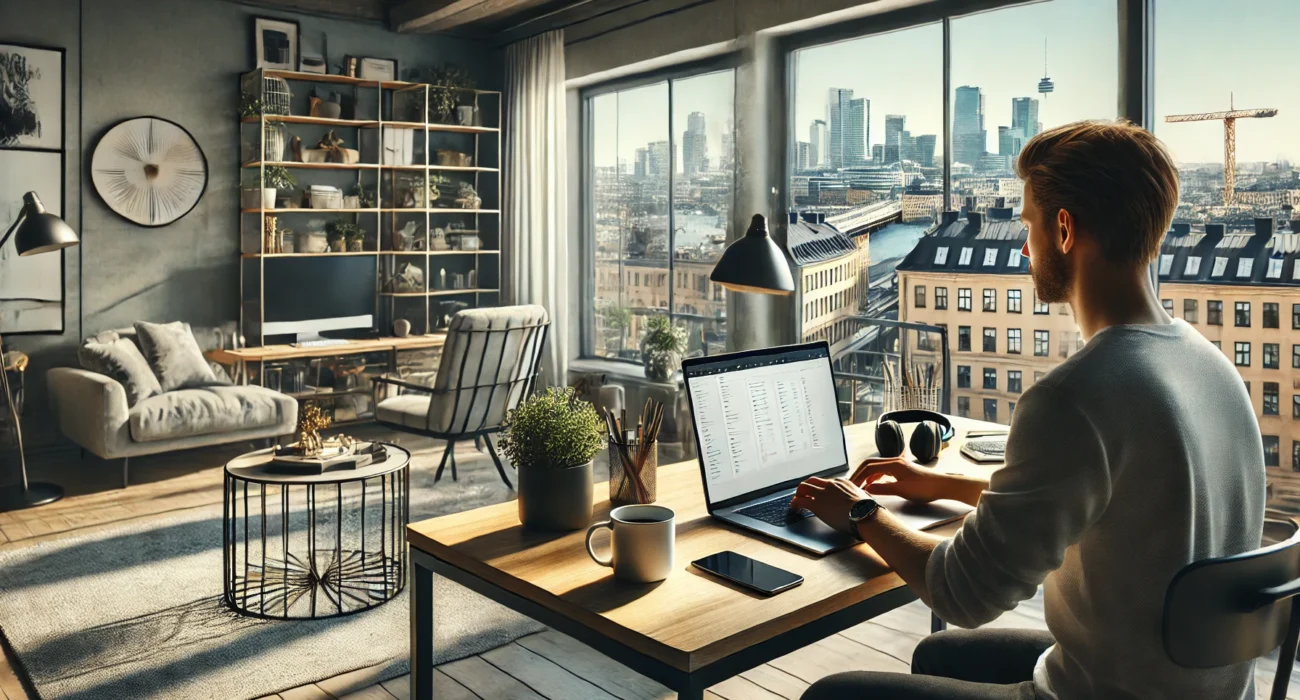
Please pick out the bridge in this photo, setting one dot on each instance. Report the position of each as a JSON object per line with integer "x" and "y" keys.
{"x": 866, "y": 219}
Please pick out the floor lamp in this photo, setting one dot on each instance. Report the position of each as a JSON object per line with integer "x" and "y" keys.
{"x": 35, "y": 231}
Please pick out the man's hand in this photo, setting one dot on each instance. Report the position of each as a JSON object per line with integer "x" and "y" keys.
{"x": 915, "y": 483}
{"x": 829, "y": 500}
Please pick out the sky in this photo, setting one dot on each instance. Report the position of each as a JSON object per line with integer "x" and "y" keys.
{"x": 1205, "y": 50}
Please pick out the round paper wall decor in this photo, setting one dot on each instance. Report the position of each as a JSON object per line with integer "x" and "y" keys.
{"x": 149, "y": 170}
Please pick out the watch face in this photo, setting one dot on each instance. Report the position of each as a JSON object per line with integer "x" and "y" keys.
{"x": 863, "y": 508}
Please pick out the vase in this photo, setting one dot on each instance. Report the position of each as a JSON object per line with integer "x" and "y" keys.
{"x": 356, "y": 245}
{"x": 661, "y": 366}
{"x": 268, "y": 197}
{"x": 555, "y": 500}
{"x": 330, "y": 110}
{"x": 337, "y": 245}
{"x": 309, "y": 242}
{"x": 351, "y": 201}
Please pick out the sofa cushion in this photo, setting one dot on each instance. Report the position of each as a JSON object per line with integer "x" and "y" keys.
{"x": 119, "y": 359}
{"x": 174, "y": 355}
{"x": 410, "y": 410}
{"x": 215, "y": 409}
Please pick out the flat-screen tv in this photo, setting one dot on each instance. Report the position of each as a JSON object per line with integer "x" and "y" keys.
{"x": 309, "y": 296}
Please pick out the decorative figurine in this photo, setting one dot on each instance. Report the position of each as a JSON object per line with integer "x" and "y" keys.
{"x": 310, "y": 422}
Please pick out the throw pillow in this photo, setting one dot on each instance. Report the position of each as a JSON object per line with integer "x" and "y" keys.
{"x": 119, "y": 359}
{"x": 174, "y": 355}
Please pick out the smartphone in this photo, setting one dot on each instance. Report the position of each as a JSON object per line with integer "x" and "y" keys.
{"x": 752, "y": 574}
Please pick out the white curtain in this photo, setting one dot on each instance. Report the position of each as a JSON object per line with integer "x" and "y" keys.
{"x": 536, "y": 200}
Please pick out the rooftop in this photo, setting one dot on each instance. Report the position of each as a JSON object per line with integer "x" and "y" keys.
{"x": 813, "y": 241}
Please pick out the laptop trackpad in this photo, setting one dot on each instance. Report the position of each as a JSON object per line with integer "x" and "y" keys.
{"x": 816, "y": 529}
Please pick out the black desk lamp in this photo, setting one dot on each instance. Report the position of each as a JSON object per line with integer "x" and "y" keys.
{"x": 754, "y": 263}
{"x": 38, "y": 231}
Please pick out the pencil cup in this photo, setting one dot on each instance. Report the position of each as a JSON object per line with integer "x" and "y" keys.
{"x": 624, "y": 486}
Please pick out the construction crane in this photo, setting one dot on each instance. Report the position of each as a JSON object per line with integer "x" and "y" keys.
{"x": 1229, "y": 118}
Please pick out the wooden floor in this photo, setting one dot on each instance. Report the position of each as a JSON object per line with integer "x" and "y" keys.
{"x": 546, "y": 665}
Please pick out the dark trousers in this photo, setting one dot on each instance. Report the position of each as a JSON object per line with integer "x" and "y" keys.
{"x": 983, "y": 664}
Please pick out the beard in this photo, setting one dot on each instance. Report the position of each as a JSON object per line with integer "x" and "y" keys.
{"x": 1053, "y": 279}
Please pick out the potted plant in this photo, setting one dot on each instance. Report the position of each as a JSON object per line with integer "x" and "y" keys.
{"x": 551, "y": 438}
{"x": 448, "y": 84}
{"x": 356, "y": 239}
{"x": 662, "y": 348}
{"x": 341, "y": 233}
{"x": 276, "y": 179}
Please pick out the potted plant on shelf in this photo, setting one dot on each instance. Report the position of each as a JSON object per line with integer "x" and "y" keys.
{"x": 551, "y": 438}
{"x": 447, "y": 86}
{"x": 276, "y": 180}
{"x": 356, "y": 238}
{"x": 341, "y": 234}
{"x": 662, "y": 348}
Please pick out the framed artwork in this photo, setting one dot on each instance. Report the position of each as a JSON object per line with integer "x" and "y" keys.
{"x": 31, "y": 97}
{"x": 149, "y": 170}
{"x": 32, "y": 120}
{"x": 312, "y": 57}
{"x": 31, "y": 288}
{"x": 275, "y": 42}
{"x": 377, "y": 68}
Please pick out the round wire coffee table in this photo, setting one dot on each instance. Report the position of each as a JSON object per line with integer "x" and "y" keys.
{"x": 314, "y": 546}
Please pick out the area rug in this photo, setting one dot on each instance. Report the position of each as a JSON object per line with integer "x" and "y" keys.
{"x": 134, "y": 611}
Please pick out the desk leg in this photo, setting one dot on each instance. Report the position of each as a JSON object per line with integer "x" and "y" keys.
{"x": 936, "y": 624}
{"x": 421, "y": 631}
{"x": 693, "y": 691}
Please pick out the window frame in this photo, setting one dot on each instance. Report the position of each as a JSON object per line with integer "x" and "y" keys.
{"x": 1241, "y": 314}
{"x": 1014, "y": 341}
{"x": 586, "y": 184}
{"x": 1193, "y": 306}
{"x": 1014, "y": 302}
{"x": 989, "y": 300}
{"x": 1241, "y": 353}
{"x": 940, "y": 298}
{"x": 964, "y": 295}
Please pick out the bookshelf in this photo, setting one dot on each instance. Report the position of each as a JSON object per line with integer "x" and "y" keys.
{"x": 377, "y": 119}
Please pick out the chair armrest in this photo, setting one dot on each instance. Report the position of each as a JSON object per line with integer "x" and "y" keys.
{"x": 404, "y": 384}
{"x": 91, "y": 409}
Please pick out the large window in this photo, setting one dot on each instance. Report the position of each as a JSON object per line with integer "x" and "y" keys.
{"x": 990, "y": 378}
{"x": 1042, "y": 339}
{"x": 1214, "y": 312}
{"x": 963, "y": 338}
{"x": 1270, "y": 398}
{"x": 963, "y": 376}
{"x": 940, "y": 298}
{"x": 1013, "y": 301}
{"x": 660, "y": 182}
{"x": 1241, "y": 317}
{"x": 1272, "y": 352}
{"x": 990, "y": 300}
{"x": 1014, "y": 381}
{"x": 1013, "y": 341}
{"x": 1241, "y": 352}
{"x": 1270, "y": 315}
{"x": 1189, "y": 310}
{"x": 990, "y": 340}
{"x": 963, "y": 299}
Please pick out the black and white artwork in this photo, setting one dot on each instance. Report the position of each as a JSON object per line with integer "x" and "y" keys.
{"x": 31, "y": 97}
{"x": 276, "y": 43}
{"x": 312, "y": 57}
{"x": 31, "y": 288}
{"x": 378, "y": 68}
{"x": 149, "y": 170}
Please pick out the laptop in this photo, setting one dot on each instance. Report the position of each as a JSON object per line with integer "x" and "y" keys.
{"x": 765, "y": 420}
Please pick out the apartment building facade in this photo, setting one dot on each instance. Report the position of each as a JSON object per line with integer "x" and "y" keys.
{"x": 1241, "y": 290}
{"x": 831, "y": 273}
{"x": 969, "y": 276}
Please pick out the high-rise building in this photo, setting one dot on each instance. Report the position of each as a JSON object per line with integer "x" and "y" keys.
{"x": 1010, "y": 140}
{"x": 894, "y": 125}
{"x": 1024, "y": 116}
{"x": 695, "y": 147}
{"x": 849, "y": 121}
{"x": 728, "y": 158}
{"x": 802, "y": 157}
{"x": 640, "y": 166}
{"x": 819, "y": 138}
{"x": 878, "y": 153}
{"x": 657, "y": 163}
{"x": 969, "y": 138}
{"x": 925, "y": 149}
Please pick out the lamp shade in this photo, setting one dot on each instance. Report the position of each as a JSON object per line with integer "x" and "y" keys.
{"x": 40, "y": 231}
{"x": 754, "y": 263}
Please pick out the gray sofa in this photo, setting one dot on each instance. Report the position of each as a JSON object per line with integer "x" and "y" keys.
{"x": 93, "y": 410}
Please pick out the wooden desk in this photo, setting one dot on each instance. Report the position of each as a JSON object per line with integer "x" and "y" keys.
{"x": 688, "y": 632}
{"x": 267, "y": 353}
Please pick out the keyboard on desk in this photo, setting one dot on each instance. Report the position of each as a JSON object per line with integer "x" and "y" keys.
{"x": 775, "y": 512}
{"x": 322, "y": 343}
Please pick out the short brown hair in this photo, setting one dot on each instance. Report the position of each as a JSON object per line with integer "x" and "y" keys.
{"x": 1115, "y": 178}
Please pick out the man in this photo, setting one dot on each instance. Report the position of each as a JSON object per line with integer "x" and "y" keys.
{"x": 1133, "y": 458}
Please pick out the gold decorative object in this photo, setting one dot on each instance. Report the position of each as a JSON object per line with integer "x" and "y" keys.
{"x": 269, "y": 230}
{"x": 310, "y": 422}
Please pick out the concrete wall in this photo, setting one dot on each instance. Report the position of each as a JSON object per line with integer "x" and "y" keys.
{"x": 178, "y": 59}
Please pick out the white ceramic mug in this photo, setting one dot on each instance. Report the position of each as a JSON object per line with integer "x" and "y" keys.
{"x": 641, "y": 542}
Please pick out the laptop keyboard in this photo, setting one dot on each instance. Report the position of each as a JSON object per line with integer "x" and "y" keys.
{"x": 776, "y": 511}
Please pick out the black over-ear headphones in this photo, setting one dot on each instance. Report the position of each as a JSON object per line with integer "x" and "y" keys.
{"x": 927, "y": 440}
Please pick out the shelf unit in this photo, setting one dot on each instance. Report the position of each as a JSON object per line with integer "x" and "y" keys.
{"x": 372, "y": 110}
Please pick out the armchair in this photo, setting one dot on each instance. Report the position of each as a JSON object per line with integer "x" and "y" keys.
{"x": 489, "y": 365}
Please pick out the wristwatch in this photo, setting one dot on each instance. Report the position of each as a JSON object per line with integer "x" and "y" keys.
{"x": 861, "y": 511}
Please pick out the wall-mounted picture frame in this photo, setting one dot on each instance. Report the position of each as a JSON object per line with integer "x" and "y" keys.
{"x": 312, "y": 54}
{"x": 149, "y": 170}
{"x": 275, "y": 43}
{"x": 33, "y": 115}
{"x": 377, "y": 68}
{"x": 31, "y": 97}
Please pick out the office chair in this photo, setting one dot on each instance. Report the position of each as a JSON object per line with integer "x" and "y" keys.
{"x": 1228, "y": 610}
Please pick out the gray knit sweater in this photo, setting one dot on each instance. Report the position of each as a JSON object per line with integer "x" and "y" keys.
{"x": 1133, "y": 458}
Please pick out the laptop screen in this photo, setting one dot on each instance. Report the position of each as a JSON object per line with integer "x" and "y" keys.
{"x": 764, "y": 418}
